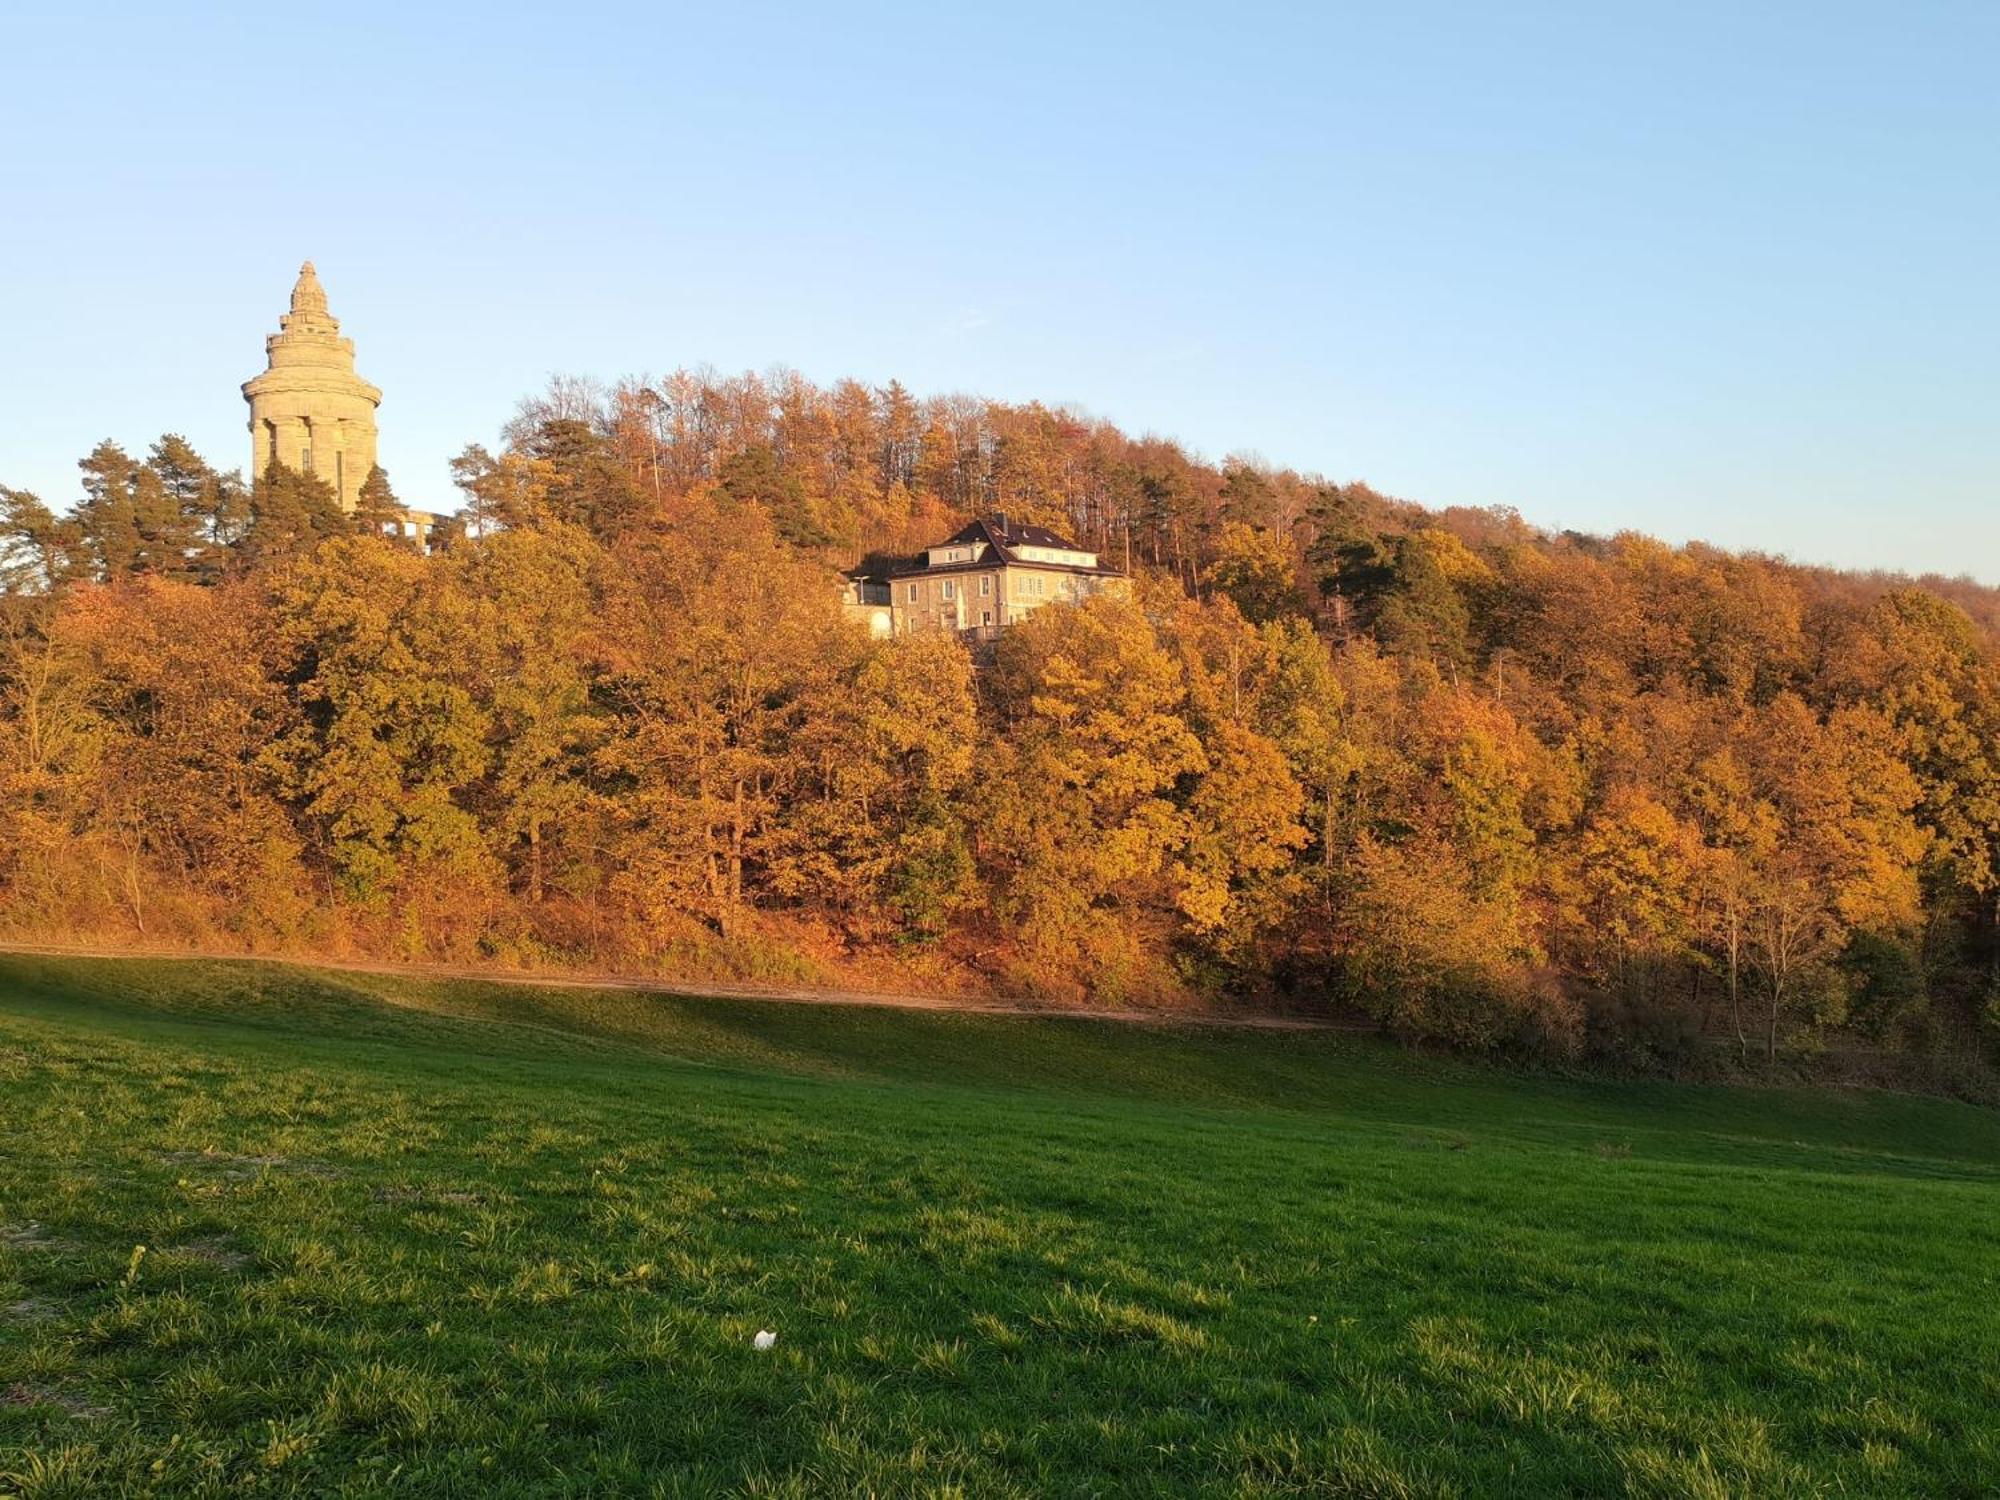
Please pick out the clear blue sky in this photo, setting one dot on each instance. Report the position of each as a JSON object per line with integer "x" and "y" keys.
{"x": 1705, "y": 270}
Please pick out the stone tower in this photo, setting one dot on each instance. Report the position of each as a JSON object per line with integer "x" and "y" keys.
{"x": 310, "y": 410}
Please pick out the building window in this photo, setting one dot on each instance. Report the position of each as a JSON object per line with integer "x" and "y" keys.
{"x": 913, "y": 593}
{"x": 986, "y": 617}
{"x": 985, "y": 584}
{"x": 946, "y": 591}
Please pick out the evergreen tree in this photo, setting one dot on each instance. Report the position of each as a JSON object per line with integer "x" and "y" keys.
{"x": 39, "y": 551}
{"x": 213, "y": 509}
{"x": 1428, "y": 610}
{"x": 170, "y": 542}
{"x": 377, "y": 511}
{"x": 226, "y": 505}
{"x": 107, "y": 514}
{"x": 1248, "y": 498}
{"x": 145, "y": 517}
{"x": 755, "y": 474}
{"x": 588, "y": 485}
{"x": 1349, "y": 558}
{"x": 290, "y": 514}
{"x": 184, "y": 474}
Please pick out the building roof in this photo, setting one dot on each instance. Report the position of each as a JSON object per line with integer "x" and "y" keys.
{"x": 308, "y": 296}
{"x": 1004, "y": 537}
{"x": 1007, "y": 535}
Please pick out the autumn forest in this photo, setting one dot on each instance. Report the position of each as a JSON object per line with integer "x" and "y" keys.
{"x": 1498, "y": 789}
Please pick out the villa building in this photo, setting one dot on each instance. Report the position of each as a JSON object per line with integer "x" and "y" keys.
{"x": 989, "y": 575}
{"x": 864, "y": 599}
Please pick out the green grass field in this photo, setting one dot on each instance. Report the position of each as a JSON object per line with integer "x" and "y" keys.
{"x": 450, "y": 1239}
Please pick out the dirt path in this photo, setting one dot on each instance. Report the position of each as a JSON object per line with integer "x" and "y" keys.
{"x": 704, "y": 988}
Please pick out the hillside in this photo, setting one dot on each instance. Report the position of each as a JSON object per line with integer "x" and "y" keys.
{"x": 441, "y": 1237}
{"x": 1550, "y": 796}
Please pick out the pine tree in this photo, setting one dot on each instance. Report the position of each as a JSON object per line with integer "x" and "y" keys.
{"x": 212, "y": 510}
{"x": 290, "y": 514}
{"x": 107, "y": 512}
{"x": 1248, "y": 497}
{"x": 587, "y": 485}
{"x": 377, "y": 511}
{"x": 226, "y": 505}
{"x": 39, "y": 551}
{"x": 169, "y": 535}
{"x": 756, "y": 474}
{"x": 1351, "y": 563}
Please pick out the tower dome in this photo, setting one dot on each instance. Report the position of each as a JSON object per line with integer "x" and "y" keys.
{"x": 309, "y": 410}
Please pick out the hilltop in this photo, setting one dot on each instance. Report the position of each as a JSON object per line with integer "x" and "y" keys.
{"x": 1540, "y": 795}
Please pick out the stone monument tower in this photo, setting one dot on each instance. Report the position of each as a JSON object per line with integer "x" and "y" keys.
{"x": 310, "y": 410}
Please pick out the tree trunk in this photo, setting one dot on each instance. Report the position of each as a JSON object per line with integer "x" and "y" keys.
{"x": 1993, "y": 942}
{"x": 736, "y": 834}
{"x": 1777, "y": 1000}
{"x": 1735, "y": 950}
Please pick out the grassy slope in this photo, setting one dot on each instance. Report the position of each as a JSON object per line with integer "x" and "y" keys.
{"x": 395, "y": 1246}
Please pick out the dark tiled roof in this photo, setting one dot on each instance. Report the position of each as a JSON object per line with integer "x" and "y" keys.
{"x": 974, "y": 532}
{"x": 1003, "y": 538}
{"x": 1007, "y": 535}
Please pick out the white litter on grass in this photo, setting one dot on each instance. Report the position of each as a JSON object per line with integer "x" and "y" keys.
{"x": 764, "y": 1340}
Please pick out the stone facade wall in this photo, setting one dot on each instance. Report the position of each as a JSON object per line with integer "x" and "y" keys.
{"x": 309, "y": 409}
{"x": 1012, "y": 594}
